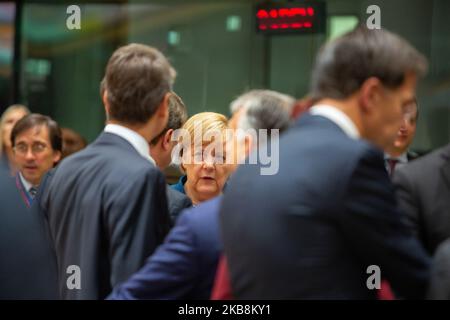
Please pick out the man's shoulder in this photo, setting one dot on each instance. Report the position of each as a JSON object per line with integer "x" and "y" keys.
{"x": 177, "y": 201}
{"x": 330, "y": 151}
{"x": 203, "y": 215}
{"x": 325, "y": 137}
{"x": 176, "y": 195}
{"x": 427, "y": 164}
{"x": 99, "y": 157}
{"x": 202, "y": 222}
{"x": 89, "y": 171}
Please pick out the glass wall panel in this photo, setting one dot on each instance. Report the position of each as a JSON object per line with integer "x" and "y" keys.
{"x": 7, "y": 32}
{"x": 217, "y": 52}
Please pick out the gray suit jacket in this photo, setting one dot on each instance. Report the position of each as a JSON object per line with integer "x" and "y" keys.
{"x": 107, "y": 212}
{"x": 423, "y": 192}
{"x": 177, "y": 202}
{"x": 440, "y": 273}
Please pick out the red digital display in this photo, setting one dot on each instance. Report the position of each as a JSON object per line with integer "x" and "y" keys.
{"x": 299, "y": 17}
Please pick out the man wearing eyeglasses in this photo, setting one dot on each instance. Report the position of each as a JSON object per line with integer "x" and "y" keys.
{"x": 398, "y": 153}
{"x": 37, "y": 145}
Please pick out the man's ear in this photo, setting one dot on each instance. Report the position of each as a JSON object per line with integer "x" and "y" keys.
{"x": 56, "y": 157}
{"x": 301, "y": 106}
{"x": 248, "y": 143}
{"x": 370, "y": 94}
{"x": 106, "y": 103}
{"x": 167, "y": 139}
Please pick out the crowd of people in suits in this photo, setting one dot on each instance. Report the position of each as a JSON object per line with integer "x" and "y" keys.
{"x": 99, "y": 221}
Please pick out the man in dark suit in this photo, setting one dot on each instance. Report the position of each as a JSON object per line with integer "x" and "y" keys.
{"x": 439, "y": 288}
{"x": 161, "y": 152}
{"x": 423, "y": 192}
{"x": 398, "y": 154}
{"x": 37, "y": 146}
{"x": 106, "y": 205}
{"x": 27, "y": 262}
{"x": 326, "y": 225}
{"x": 176, "y": 202}
{"x": 185, "y": 265}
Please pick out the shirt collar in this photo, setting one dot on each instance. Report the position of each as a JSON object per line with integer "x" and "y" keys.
{"x": 403, "y": 158}
{"x": 135, "y": 139}
{"x": 338, "y": 117}
{"x": 25, "y": 183}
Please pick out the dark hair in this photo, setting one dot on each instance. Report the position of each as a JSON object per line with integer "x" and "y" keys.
{"x": 37, "y": 120}
{"x": 177, "y": 116}
{"x": 344, "y": 64}
{"x": 136, "y": 80}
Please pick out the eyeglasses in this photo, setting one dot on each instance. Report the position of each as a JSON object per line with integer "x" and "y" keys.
{"x": 409, "y": 108}
{"x": 36, "y": 148}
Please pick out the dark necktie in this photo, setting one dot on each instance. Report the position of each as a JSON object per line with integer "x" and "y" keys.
{"x": 33, "y": 191}
{"x": 392, "y": 163}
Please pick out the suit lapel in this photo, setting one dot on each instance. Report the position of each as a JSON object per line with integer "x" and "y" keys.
{"x": 23, "y": 193}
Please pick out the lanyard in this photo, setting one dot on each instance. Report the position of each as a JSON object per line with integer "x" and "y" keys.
{"x": 25, "y": 195}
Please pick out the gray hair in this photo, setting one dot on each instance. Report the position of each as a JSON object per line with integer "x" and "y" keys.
{"x": 343, "y": 64}
{"x": 264, "y": 109}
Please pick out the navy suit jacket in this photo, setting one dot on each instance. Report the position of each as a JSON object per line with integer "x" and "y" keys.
{"x": 312, "y": 230}
{"x": 27, "y": 260}
{"x": 107, "y": 212}
{"x": 184, "y": 266}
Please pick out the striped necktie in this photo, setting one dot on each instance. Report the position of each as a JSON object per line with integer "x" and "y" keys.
{"x": 32, "y": 192}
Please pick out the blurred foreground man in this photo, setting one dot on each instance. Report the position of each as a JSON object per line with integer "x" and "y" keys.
{"x": 106, "y": 205}
{"x": 317, "y": 228}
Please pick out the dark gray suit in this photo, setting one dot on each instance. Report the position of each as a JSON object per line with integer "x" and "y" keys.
{"x": 440, "y": 273}
{"x": 107, "y": 212}
{"x": 177, "y": 202}
{"x": 423, "y": 192}
{"x": 27, "y": 261}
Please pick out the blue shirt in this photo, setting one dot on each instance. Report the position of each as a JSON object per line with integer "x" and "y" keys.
{"x": 179, "y": 186}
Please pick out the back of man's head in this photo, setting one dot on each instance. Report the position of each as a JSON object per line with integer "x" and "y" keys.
{"x": 136, "y": 80}
{"x": 263, "y": 109}
{"x": 344, "y": 64}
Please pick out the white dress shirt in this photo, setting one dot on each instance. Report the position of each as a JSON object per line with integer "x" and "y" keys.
{"x": 135, "y": 139}
{"x": 338, "y": 117}
{"x": 26, "y": 184}
{"x": 400, "y": 161}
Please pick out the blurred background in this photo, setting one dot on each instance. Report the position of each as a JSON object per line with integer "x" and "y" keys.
{"x": 214, "y": 45}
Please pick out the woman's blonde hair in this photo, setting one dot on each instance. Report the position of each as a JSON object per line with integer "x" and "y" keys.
{"x": 5, "y": 114}
{"x": 208, "y": 124}
{"x": 205, "y": 122}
